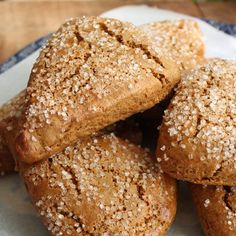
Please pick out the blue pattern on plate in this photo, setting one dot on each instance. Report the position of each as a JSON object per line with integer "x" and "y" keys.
{"x": 225, "y": 27}
{"x": 25, "y": 52}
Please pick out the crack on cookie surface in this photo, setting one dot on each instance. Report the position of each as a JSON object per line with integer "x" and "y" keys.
{"x": 142, "y": 47}
{"x": 202, "y": 116}
{"x": 227, "y": 194}
{"x": 79, "y": 37}
{"x": 108, "y": 172}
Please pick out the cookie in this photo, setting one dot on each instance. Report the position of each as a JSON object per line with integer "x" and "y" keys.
{"x": 216, "y": 206}
{"x": 91, "y": 73}
{"x": 179, "y": 40}
{"x": 8, "y": 111}
{"x": 197, "y": 136}
{"x": 127, "y": 129}
{"x": 7, "y": 163}
{"x": 11, "y": 112}
{"x": 101, "y": 186}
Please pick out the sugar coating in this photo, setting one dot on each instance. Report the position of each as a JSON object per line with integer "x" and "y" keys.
{"x": 179, "y": 40}
{"x": 13, "y": 108}
{"x": 65, "y": 76}
{"x": 7, "y": 112}
{"x": 206, "y": 202}
{"x": 203, "y": 110}
{"x": 102, "y": 186}
{"x": 91, "y": 73}
{"x": 198, "y": 128}
{"x": 216, "y": 206}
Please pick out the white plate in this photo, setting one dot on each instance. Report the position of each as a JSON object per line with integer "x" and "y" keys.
{"x": 17, "y": 216}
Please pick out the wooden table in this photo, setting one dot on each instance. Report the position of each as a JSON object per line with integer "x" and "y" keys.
{"x": 24, "y": 21}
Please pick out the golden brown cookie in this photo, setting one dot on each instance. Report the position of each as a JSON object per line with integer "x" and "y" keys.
{"x": 9, "y": 116}
{"x": 11, "y": 112}
{"x": 127, "y": 129}
{"x": 92, "y": 72}
{"x": 216, "y": 206}
{"x": 101, "y": 186}
{"x": 197, "y": 136}
{"x": 179, "y": 40}
{"x": 8, "y": 111}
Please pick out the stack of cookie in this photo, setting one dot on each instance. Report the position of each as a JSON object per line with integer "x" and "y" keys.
{"x": 87, "y": 176}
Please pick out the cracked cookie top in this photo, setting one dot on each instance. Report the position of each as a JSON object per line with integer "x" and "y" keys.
{"x": 92, "y": 72}
{"x": 102, "y": 186}
{"x": 200, "y": 122}
{"x": 179, "y": 40}
{"x": 216, "y": 207}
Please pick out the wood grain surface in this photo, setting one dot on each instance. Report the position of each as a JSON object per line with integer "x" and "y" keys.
{"x": 25, "y": 21}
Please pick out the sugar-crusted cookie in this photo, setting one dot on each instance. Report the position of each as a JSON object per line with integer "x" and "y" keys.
{"x": 127, "y": 129}
{"x": 101, "y": 186}
{"x": 197, "y": 137}
{"x": 216, "y": 206}
{"x": 11, "y": 112}
{"x": 92, "y": 72}
{"x": 8, "y": 111}
{"x": 180, "y": 40}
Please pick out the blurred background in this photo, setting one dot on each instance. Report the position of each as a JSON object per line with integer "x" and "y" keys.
{"x": 25, "y": 21}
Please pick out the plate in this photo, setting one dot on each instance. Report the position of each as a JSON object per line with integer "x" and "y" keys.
{"x": 17, "y": 216}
